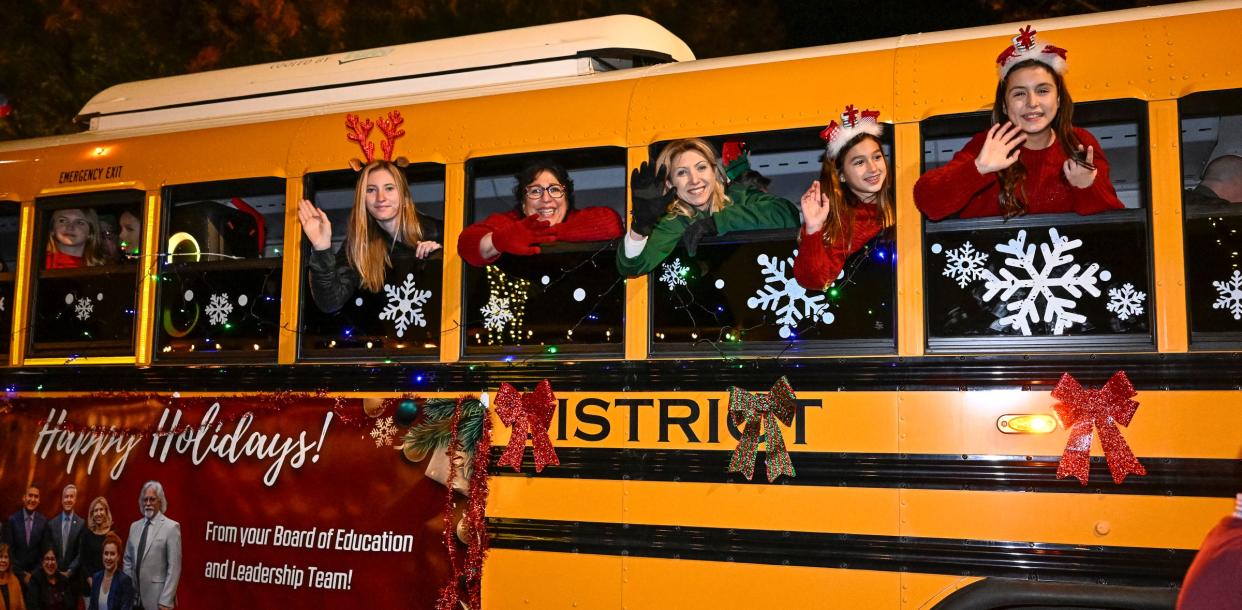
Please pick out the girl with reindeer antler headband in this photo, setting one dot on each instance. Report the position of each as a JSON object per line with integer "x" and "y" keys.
{"x": 383, "y": 224}
{"x": 1033, "y": 160}
{"x": 851, "y": 203}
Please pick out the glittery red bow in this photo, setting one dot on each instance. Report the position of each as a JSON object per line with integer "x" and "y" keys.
{"x": 527, "y": 415}
{"x": 1082, "y": 410}
{"x": 763, "y": 411}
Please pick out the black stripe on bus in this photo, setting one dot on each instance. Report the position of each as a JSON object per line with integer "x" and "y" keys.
{"x": 988, "y": 558}
{"x": 1039, "y": 373}
{"x": 1165, "y": 476}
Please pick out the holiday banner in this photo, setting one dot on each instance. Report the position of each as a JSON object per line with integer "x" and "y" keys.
{"x": 276, "y": 500}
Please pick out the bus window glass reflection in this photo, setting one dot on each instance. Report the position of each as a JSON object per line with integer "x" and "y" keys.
{"x": 220, "y": 270}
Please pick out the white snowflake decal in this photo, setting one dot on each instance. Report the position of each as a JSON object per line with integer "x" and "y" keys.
{"x": 2, "y": 303}
{"x": 674, "y": 274}
{"x": 384, "y": 433}
{"x": 218, "y": 309}
{"x": 496, "y": 313}
{"x": 1040, "y": 282}
{"x": 405, "y": 305}
{"x": 1230, "y": 295}
{"x": 782, "y": 294}
{"x": 965, "y": 264}
{"x": 84, "y": 307}
{"x": 1126, "y": 301}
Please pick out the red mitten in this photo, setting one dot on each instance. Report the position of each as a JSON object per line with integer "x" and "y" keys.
{"x": 523, "y": 237}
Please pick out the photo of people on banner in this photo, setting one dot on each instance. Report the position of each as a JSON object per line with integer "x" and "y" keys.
{"x": 243, "y": 502}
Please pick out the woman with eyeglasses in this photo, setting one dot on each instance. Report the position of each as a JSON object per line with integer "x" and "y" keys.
{"x": 543, "y": 213}
{"x": 683, "y": 197}
{"x": 384, "y": 225}
{"x": 74, "y": 240}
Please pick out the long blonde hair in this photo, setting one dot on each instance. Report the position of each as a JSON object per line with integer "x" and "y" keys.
{"x": 675, "y": 149}
{"x": 107, "y": 522}
{"x": 843, "y": 202}
{"x": 92, "y": 251}
{"x": 367, "y": 252}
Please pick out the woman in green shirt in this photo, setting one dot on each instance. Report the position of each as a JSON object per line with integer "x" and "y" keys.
{"x": 684, "y": 197}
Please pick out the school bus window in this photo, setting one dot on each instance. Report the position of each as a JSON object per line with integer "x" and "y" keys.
{"x": 219, "y": 270}
{"x": 540, "y": 250}
{"x": 737, "y": 292}
{"x": 342, "y": 318}
{"x": 10, "y": 215}
{"x": 1044, "y": 280}
{"x": 1211, "y": 126}
{"x": 84, "y": 292}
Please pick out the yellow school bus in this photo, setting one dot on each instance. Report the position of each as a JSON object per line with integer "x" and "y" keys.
{"x": 921, "y": 480}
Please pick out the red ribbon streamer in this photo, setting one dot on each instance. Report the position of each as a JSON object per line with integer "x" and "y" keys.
{"x": 1084, "y": 410}
{"x": 528, "y": 415}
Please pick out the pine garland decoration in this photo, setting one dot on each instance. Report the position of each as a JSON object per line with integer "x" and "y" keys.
{"x": 434, "y": 428}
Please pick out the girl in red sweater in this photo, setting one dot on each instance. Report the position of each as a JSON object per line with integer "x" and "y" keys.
{"x": 850, "y": 204}
{"x": 1033, "y": 160}
{"x": 74, "y": 240}
{"x": 544, "y": 213}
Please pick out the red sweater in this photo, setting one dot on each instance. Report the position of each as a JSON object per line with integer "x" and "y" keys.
{"x": 1214, "y": 580}
{"x": 596, "y": 223}
{"x": 60, "y": 260}
{"x": 959, "y": 188}
{"x": 818, "y": 264}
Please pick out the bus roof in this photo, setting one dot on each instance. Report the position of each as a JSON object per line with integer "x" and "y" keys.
{"x": 511, "y": 56}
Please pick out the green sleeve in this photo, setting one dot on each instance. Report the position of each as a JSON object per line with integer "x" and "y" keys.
{"x": 752, "y": 209}
{"x": 663, "y": 240}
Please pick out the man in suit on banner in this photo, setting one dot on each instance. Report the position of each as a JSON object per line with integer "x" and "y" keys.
{"x": 153, "y": 551}
{"x": 65, "y": 530}
{"x": 27, "y": 533}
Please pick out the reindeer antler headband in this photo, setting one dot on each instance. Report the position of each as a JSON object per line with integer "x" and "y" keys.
{"x": 359, "y": 131}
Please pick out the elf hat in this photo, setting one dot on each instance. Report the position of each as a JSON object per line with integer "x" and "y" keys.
{"x": 853, "y": 122}
{"x": 1025, "y": 47}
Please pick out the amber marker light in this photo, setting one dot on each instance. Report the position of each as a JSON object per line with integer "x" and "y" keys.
{"x": 1027, "y": 423}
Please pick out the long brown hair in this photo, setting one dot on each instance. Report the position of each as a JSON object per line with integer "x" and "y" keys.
{"x": 1012, "y": 195}
{"x": 367, "y": 252}
{"x": 92, "y": 251}
{"x": 675, "y": 149}
{"x": 843, "y": 202}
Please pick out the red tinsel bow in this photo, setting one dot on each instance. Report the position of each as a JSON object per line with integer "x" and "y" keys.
{"x": 1082, "y": 410}
{"x": 528, "y": 415}
{"x": 763, "y": 411}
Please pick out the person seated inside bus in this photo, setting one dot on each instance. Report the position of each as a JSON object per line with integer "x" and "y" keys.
{"x": 1033, "y": 160}
{"x": 543, "y": 212}
{"x": 384, "y": 226}
{"x": 129, "y": 233}
{"x": 108, "y": 238}
{"x": 74, "y": 240}
{"x": 683, "y": 197}
{"x": 850, "y": 204}
{"x": 1222, "y": 176}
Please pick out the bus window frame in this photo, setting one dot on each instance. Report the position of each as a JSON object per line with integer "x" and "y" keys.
{"x": 44, "y": 208}
{"x": 11, "y": 276}
{"x": 507, "y": 352}
{"x": 1110, "y": 111}
{"x": 799, "y": 347}
{"x": 167, "y": 203}
{"x": 309, "y": 190}
{"x": 1201, "y": 104}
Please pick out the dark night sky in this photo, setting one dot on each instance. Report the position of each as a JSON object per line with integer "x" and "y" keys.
{"x": 57, "y": 54}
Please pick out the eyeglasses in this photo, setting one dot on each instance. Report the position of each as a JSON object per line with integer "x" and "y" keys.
{"x": 554, "y": 191}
